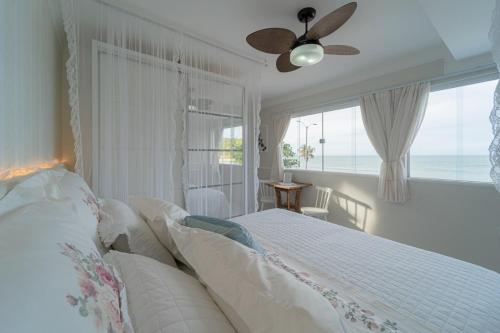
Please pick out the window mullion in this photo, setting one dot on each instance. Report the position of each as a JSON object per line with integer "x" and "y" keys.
{"x": 322, "y": 141}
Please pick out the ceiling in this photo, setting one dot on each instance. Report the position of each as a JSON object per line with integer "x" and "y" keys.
{"x": 386, "y": 32}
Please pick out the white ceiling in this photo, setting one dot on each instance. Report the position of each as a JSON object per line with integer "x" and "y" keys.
{"x": 463, "y": 25}
{"x": 386, "y": 31}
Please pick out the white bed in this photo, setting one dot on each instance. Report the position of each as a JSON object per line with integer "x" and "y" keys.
{"x": 419, "y": 290}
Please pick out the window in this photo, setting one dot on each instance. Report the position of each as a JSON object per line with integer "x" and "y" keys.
{"x": 455, "y": 135}
{"x": 347, "y": 147}
{"x": 301, "y": 146}
{"x": 452, "y": 143}
{"x": 330, "y": 141}
{"x": 232, "y": 146}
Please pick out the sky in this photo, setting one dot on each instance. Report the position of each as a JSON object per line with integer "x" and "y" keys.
{"x": 456, "y": 123}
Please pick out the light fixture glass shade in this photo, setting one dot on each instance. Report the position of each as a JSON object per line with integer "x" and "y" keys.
{"x": 306, "y": 55}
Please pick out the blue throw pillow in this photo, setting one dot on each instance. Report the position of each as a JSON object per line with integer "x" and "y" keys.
{"x": 229, "y": 229}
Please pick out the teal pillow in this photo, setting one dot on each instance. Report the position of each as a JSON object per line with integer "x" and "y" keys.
{"x": 229, "y": 229}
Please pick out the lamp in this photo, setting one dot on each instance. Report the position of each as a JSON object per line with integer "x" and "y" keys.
{"x": 306, "y": 54}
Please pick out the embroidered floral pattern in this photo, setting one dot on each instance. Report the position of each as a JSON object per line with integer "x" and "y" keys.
{"x": 91, "y": 201}
{"x": 99, "y": 289}
{"x": 352, "y": 311}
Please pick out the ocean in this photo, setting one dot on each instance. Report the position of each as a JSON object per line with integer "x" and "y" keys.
{"x": 462, "y": 168}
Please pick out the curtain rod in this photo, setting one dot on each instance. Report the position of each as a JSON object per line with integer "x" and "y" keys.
{"x": 112, "y": 4}
{"x": 490, "y": 69}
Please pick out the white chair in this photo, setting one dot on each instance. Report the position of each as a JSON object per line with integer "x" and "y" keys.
{"x": 320, "y": 208}
{"x": 266, "y": 194}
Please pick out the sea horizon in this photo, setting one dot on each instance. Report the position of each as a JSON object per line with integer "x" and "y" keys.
{"x": 452, "y": 167}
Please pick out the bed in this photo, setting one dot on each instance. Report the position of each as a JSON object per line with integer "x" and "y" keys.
{"x": 419, "y": 290}
{"x": 286, "y": 272}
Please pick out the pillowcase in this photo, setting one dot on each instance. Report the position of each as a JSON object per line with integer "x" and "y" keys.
{"x": 74, "y": 187}
{"x": 264, "y": 297}
{"x": 157, "y": 213}
{"x": 229, "y": 229}
{"x": 3, "y": 189}
{"x": 53, "y": 279}
{"x": 121, "y": 227}
{"x": 164, "y": 299}
{"x": 37, "y": 187}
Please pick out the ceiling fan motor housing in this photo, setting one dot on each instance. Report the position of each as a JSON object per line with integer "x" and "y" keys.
{"x": 306, "y": 15}
{"x": 302, "y": 40}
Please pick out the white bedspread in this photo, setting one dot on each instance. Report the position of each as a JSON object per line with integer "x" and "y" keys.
{"x": 440, "y": 293}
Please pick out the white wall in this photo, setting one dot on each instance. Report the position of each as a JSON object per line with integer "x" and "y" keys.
{"x": 31, "y": 71}
{"x": 461, "y": 220}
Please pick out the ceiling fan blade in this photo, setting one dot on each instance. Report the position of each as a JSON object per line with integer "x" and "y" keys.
{"x": 332, "y": 21}
{"x": 340, "y": 50}
{"x": 283, "y": 63}
{"x": 272, "y": 40}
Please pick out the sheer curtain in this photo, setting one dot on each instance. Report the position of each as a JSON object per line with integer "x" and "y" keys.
{"x": 30, "y": 85}
{"x": 134, "y": 125}
{"x": 164, "y": 114}
{"x": 392, "y": 119}
{"x": 280, "y": 126}
{"x": 495, "y": 113}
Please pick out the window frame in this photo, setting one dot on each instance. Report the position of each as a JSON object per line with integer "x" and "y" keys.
{"x": 351, "y": 103}
{"x": 461, "y": 79}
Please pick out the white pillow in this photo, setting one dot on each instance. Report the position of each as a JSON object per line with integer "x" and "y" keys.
{"x": 264, "y": 297}
{"x": 121, "y": 227}
{"x": 164, "y": 299}
{"x": 74, "y": 187}
{"x": 157, "y": 213}
{"x": 52, "y": 278}
{"x": 37, "y": 187}
{"x": 3, "y": 189}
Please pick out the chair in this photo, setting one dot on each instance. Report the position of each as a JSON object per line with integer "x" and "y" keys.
{"x": 320, "y": 208}
{"x": 266, "y": 194}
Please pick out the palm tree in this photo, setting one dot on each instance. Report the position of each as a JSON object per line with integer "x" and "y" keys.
{"x": 306, "y": 152}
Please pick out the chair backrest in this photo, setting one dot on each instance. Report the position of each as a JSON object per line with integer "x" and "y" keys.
{"x": 265, "y": 190}
{"x": 323, "y": 196}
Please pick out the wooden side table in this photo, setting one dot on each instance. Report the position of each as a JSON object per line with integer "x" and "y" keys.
{"x": 288, "y": 189}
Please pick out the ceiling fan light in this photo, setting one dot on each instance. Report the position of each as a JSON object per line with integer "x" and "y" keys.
{"x": 306, "y": 55}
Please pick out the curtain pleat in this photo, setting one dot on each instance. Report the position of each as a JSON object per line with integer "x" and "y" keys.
{"x": 280, "y": 126}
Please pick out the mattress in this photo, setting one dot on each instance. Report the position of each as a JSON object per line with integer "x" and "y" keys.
{"x": 439, "y": 293}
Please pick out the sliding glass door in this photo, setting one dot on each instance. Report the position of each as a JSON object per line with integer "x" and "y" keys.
{"x": 215, "y": 137}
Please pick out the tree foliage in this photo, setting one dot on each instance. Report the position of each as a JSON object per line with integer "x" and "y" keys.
{"x": 307, "y": 153}
{"x": 234, "y": 153}
{"x": 289, "y": 159}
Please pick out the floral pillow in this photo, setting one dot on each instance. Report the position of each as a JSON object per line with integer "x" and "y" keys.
{"x": 87, "y": 207}
{"x": 66, "y": 286}
{"x": 100, "y": 290}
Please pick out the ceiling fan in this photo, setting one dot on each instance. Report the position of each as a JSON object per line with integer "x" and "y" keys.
{"x": 305, "y": 50}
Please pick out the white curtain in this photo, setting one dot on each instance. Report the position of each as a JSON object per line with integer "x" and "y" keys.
{"x": 135, "y": 122}
{"x": 164, "y": 114}
{"x": 495, "y": 113}
{"x": 30, "y": 87}
{"x": 280, "y": 126}
{"x": 392, "y": 119}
